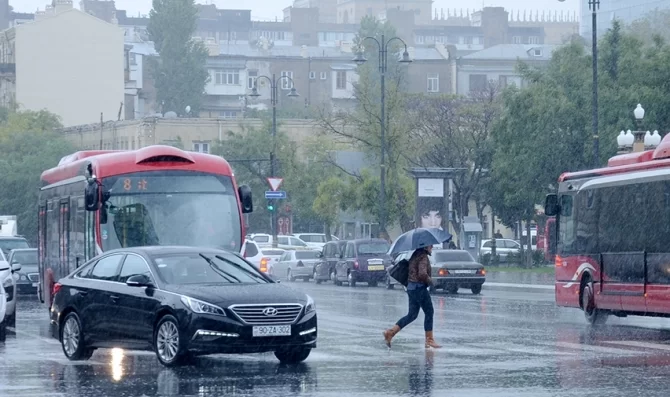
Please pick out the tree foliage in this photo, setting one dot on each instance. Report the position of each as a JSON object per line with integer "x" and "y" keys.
{"x": 180, "y": 74}
{"x": 29, "y": 146}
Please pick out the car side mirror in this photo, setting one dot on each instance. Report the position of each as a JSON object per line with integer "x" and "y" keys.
{"x": 16, "y": 267}
{"x": 139, "y": 280}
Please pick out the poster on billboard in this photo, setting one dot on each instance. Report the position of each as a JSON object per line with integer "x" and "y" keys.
{"x": 430, "y": 204}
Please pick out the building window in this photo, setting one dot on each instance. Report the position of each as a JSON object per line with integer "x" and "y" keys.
{"x": 251, "y": 78}
{"x": 516, "y": 40}
{"x": 201, "y": 147}
{"x": 419, "y": 39}
{"x": 227, "y": 77}
{"x": 324, "y": 75}
{"x": 433, "y": 82}
{"x": 533, "y": 40}
{"x": 341, "y": 80}
{"x": 228, "y": 114}
{"x": 537, "y": 52}
{"x": 287, "y": 80}
{"x": 477, "y": 82}
{"x": 312, "y": 75}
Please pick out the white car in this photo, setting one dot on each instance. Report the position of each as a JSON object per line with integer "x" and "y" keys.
{"x": 9, "y": 285}
{"x": 261, "y": 257}
{"x": 283, "y": 242}
{"x": 3, "y": 309}
{"x": 313, "y": 240}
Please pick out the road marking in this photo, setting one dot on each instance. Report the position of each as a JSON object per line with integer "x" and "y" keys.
{"x": 529, "y": 286}
{"x": 591, "y": 348}
{"x": 41, "y": 338}
{"x": 646, "y": 345}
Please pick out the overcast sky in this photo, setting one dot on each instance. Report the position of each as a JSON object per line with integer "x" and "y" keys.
{"x": 269, "y": 9}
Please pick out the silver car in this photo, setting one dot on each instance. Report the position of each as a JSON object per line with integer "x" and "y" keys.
{"x": 297, "y": 264}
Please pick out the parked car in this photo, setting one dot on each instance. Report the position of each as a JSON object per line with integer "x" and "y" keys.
{"x": 3, "y": 309}
{"x": 454, "y": 269}
{"x": 313, "y": 240}
{"x": 363, "y": 261}
{"x": 283, "y": 242}
{"x": 325, "y": 267}
{"x": 28, "y": 276}
{"x": 504, "y": 247}
{"x": 270, "y": 258}
{"x": 8, "y": 243}
{"x": 296, "y": 264}
{"x": 9, "y": 283}
{"x": 180, "y": 302}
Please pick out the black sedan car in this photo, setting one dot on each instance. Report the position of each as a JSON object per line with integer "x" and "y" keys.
{"x": 180, "y": 302}
{"x": 28, "y": 276}
{"x": 454, "y": 269}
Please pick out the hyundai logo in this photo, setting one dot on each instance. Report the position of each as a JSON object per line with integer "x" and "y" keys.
{"x": 270, "y": 311}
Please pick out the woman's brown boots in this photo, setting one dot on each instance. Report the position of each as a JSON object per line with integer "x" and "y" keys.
{"x": 430, "y": 342}
{"x": 390, "y": 333}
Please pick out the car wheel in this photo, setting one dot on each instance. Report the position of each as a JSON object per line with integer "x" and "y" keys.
{"x": 594, "y": 316}
{"x": 167, "y": 342}
{"x": 476, "y": 289}
{"x": 10, "y": 321}
{"x": 316, "y": 280}
{"x": 372, "y": 284}
{"x": 289, "y": 275}
{"x": 351, "y": 280}
{"x": 432, "y": 289}
{"x": 453, "y": 289}
{"x": 333, "y": 276}
{"x": 293, "y": 356}
{"x": 3, "y": 332}
{"x": 72, "y": 339}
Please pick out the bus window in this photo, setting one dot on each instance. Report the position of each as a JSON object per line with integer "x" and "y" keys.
{"x": 567, "y": 225}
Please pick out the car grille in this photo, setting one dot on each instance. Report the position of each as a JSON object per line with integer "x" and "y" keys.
{"x": 33, "y": 277}
{"x": 255, "y": 314}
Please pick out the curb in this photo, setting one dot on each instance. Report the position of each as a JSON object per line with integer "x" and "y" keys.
{"x": 542, "y": 289}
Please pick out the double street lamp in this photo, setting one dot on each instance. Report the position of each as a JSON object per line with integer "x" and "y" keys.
{"x": 637, "y": 141}
{"x": 383, "y": 46}
{"x": 274, "y": 96}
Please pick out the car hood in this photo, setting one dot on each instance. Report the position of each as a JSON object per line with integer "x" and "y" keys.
{"x": 225, "y": 295}
{"x": 457, "y": 265}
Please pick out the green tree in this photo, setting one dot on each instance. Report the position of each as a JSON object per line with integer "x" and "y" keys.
{"x": 361, "y": 127}
{"x": 180, "y": 72}
{"x": 29, "y": 147}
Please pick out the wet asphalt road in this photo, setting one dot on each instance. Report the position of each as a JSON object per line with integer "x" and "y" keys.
{"x": 501, "y": 343}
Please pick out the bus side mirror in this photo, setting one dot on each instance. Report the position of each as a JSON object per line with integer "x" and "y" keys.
{"x": 92, "y": 196}
{"x": 246, "y": 199}
{"x": 551, "y": 205}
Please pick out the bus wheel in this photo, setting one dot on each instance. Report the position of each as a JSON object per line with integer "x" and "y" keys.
{"x": 594, "y": 316}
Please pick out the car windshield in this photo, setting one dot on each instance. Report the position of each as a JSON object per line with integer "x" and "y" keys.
{"x": 25, "y": 257}
{"x": 312, "y": 238}
{"x": 261, "y": 239}
{"x": 8, "y": 244}
{"x": 372, "y": 248}
{"x": 273, "y": 252}
{"x": 207, "y": 268}
{"x": 306, "y": 254}
{"x": 452, "y": 256}
{"x": 171, "y": 208}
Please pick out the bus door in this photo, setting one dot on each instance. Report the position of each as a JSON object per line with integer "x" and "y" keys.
{"x": 624, "y": 279}
{"x": 41, "y": 247}
{"x": 64, "y": 237}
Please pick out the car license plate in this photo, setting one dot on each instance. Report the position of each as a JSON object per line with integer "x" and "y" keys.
{"x": 272, "y": 330}
{"x": 376, "y": 267}
{"x": 464, "y": 271}
{"x": 35, "y": 285}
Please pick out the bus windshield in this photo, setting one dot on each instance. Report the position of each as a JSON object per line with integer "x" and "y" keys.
{"x": 171, "y": 208}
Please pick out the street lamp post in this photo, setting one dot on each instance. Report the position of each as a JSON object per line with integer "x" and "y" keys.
{"x": 274, "y": 96}
{"x": 639, "y": 140}
{"x": 383, "y": 63}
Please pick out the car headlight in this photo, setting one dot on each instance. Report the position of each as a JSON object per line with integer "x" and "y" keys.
{"x": 198, "y": 306}
{"x": 310, "y": 306}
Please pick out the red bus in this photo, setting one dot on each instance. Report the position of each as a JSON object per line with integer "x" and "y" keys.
{"x": 95, "y": 201}
{"x": 612, "y": 255}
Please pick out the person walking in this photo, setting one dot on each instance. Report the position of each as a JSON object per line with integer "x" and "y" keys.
{"x": 419, "y": 282}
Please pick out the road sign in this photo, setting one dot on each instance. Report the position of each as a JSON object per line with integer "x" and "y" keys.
{"x": 275, "y": 194}
{"x": 275, "y": 183}
{"x": 284, "y": 225}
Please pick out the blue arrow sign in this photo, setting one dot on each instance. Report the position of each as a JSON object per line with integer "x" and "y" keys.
{"x": 275, "y": 195}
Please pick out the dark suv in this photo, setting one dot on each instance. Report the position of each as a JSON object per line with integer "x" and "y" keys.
{"x": 363, "y": 261}
{"x": 324, "y": 269}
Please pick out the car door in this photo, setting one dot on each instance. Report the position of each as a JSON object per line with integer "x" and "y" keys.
{"x": 343, "y": 264}
{"x": 136, "y": 305}
{"x": 101, "y": 312}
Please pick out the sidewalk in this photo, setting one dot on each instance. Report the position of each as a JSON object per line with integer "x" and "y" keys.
{"x": 522, "y": 282}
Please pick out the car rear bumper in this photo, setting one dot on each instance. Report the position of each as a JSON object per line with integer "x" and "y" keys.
{"x": 440, "y": 282}
{"x": 206, "y": 335}
{"x": 369, "y": 276}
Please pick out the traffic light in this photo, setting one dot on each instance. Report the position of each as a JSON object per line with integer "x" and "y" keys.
{"x": 271, "y": 206}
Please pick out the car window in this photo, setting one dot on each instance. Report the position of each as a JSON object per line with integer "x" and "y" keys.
{"x": 512, "y": 244}
{"x": 273, "y": 252}
{"x": 133, "y": 265}
{"x": 488, "y": 244}
{"x": 376, "y": 248}
{"x": 282, "y": 240}
{"x": 25, "y": 257}
{"x": 106, "y": 269}
{"x": 250, "y": 249}
{"x": 306, "y": 255}
{"x": 452, "y": 256}
{"x": 6, "y": 245}
{"x": 262, "y": 239}
{"x": 84, "y": 271}
{"x": 312, "y": 238}
{"x": 297, "y": 242}
{"x": 191, "y": 268}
